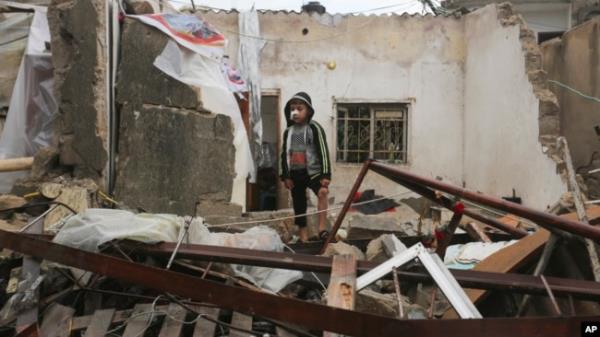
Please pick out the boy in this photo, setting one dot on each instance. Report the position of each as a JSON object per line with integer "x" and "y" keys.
{"x": 305, "y": 161}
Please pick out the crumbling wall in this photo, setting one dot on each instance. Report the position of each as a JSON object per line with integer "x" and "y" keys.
{"x": 172, "y": 152}
{"x": 575, "y": 61}
{"x": 511, "y": 118}
{"x": 378, "y": 59}
{"x": 79, "y": 56}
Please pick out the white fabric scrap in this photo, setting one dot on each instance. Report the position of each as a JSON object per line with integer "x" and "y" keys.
{"x": 95, "y": 226}
{"x": 470, "y": 254}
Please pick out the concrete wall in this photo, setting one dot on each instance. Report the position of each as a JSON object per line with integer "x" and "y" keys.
{"x": 172, "y": 152}
{"x": 505, "y": 123}
{"x": 79, "y": 56}
{"x": 575, "y": 61}
{"x": 399, "y": 58}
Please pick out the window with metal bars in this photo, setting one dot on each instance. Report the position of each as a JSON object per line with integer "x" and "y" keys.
{"x": 377, "y": 131}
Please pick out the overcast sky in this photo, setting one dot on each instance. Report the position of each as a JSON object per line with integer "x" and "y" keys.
{"x": 332, "y": 6}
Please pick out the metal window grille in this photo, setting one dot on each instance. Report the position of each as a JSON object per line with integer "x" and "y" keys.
{"x": 377, "y": 131}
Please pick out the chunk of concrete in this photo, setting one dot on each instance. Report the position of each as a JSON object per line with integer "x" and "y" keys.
{"x": 372, "y": 302}
{"x": 403, "y": 222}
{"x": 44, "y": 161}
{"x": 383, "y": 248}
{"x": 341, "y": 248}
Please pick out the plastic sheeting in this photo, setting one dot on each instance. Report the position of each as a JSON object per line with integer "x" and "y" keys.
{"x": 14, "y": 29}
{"x": 202, "y": 72}
{"x": 95, "y": 227}
{"x": 249, "y": 64}
{"x": 32, "y": 105}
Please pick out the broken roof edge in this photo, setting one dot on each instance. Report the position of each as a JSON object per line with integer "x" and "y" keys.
{"x": 455, "y": 14}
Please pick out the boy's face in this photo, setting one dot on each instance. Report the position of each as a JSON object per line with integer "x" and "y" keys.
{"x": 298, "y": 111}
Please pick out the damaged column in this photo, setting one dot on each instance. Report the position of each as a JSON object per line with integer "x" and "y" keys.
{"x": 79, "y": 55}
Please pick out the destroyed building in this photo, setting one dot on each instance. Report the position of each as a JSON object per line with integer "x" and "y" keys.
{"x": 462, "y": 171}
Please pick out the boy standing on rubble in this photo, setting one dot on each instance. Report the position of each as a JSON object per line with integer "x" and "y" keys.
{"x": 305, "y": 161}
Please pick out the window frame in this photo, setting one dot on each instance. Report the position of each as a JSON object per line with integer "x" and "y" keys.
{"x": 373, "y": 105}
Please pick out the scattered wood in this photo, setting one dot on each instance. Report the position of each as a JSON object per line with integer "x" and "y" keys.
{"x": 173, "y": 322}
{"x": 57, "y": 321}
{"x": 240, "y": 321}
{"x": 205, "y": 328}
{"x": 101, "y": 320}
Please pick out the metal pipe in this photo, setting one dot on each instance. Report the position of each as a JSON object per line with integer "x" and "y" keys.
{"x": 536, "y": 216}
{"x": 449, "y": 232}
{"x": 347, "y": 204}
{"x": 449, "y": 204}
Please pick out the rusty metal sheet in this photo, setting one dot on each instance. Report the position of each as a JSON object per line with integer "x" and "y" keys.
{"x": 309, "y": 315}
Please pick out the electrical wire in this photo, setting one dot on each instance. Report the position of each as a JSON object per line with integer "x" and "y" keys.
{"x": 309, "y": 213}
{"x": 312, "y": 273}
{"x": 560, "y": 84}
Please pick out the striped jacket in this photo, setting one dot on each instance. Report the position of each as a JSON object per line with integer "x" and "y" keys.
{"x": 322, "y": 151}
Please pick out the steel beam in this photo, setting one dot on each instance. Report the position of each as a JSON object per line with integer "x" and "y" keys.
{"x": 517, "y": 283}
{"x": 539, "y": 217}
{"x": 309, "y": 315}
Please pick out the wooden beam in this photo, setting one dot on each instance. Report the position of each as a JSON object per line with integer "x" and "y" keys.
{"x": 342, "y": 284}
{"x": 16, "y": 164}
{"x": 101, "y": 320}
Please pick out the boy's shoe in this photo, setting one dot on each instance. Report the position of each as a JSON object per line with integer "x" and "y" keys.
{"x": 323, "y": 235}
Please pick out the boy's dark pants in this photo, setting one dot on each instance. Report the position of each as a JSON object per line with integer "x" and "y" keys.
{"x": 301, "y": 182}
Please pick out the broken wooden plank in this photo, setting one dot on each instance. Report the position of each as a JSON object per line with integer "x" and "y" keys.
{"x": 513, "y": 257}
{"x": 173, "y": 322}
{"x": 83, "y": 322}
{"x": 101, "y": 320}
{"x": 141, "y": 316}
{"x": 476, "y": 232}
{"x": 342, "y": 285}
{"x": 206, "y": 328}
{"x": 240, "y": 321}
{"x": 57, "y": 321}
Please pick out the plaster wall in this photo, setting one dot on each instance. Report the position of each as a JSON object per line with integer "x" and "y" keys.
{"x": 418, "y": 60}
{"x": 502, "y": 130}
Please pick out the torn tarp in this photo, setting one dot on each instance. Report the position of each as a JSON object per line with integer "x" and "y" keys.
{"x": 32, "y": 105}
{"x": 94, "y": 227}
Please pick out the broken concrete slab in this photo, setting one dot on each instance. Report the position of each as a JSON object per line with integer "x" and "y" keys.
{"x": 372, "y": 302}
{"x": 341, "y": 248}
{"x": 383, "y": 248}
{"x": 79, "y": 55}
{"x": 403, "y": 222}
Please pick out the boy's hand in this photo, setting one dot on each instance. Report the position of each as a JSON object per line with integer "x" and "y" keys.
{"x": 325, "y": 182}
{"x": 289, "y": 184}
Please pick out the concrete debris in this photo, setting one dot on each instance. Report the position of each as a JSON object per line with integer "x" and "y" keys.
{"x": 384, "y": 247}
{"x": 11, "y": 201}
{"x": 373, "y": 302}
{"x": 341, "y": 248}
{"x": 44, "y": 162}
{"x": 403, "y": 222}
